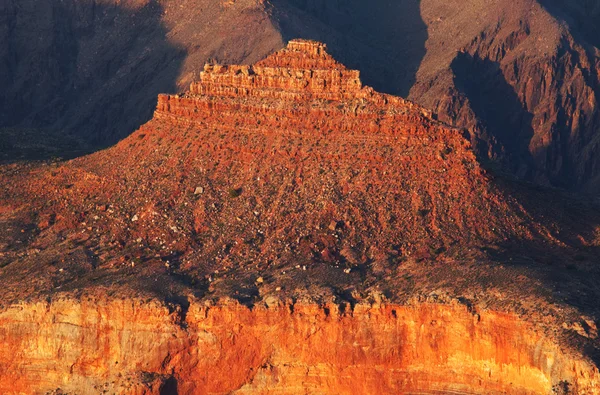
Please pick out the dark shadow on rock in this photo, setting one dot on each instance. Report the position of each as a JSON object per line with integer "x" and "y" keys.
{"x": 169, "y": 387}
{"x": 582, "y": 19}
{"x": 81, "y": 70}
{"x": 39, "y": 144}
{"x": 385, "y": 40}
{"x": 500, "y": 113}
{"x": 593, "y": 353}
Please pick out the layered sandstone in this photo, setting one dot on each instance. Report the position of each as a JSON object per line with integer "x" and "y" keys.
{"x": 283, "y": 228}
{"x": 301, "y": 74}
{"x": 135, "y": 347}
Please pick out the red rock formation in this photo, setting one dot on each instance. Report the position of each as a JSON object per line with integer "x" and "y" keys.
{"x": 523, "y": 79}
{"x": 360, "y": 238}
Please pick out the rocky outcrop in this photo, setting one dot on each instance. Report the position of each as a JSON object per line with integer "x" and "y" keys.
{"x": 300, "y": 75}
{"x": 302, "y": 71}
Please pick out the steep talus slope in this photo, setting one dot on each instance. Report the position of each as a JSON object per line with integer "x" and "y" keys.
{"x": 288, "y": 225}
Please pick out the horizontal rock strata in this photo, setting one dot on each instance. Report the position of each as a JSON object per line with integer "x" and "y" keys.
{"x": 133, "y": 347}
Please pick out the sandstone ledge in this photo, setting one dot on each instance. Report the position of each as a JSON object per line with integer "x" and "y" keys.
{"x": 141, "y": 347}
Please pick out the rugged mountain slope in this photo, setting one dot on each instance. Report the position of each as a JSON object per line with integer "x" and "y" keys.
{"x": 288, "y": 225}
{"x": 93, "y": 68}
{"x": 522, "y": 75}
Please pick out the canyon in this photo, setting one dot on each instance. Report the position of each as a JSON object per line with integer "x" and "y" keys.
{"x": 282, "y": 227}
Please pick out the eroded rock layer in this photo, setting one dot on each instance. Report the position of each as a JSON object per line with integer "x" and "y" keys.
{"x": 135, "y": 347}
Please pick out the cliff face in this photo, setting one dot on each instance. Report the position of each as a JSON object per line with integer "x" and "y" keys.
{"x": 281, "y": 228}
{"x": 528, "y": 84}
{"x": 135, "y": 347}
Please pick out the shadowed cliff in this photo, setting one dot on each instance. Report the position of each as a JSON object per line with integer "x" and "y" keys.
{"x": 89, "y": 69}
{"x": 83, "y": 74}
{"x": 497, "y": 108}
{"x": 547, "y": 56}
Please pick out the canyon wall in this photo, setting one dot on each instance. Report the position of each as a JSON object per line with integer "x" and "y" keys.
{"x": 521, "y": 76}
{"x": 93, "y": 68}
{"x": 140, "y": 347}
